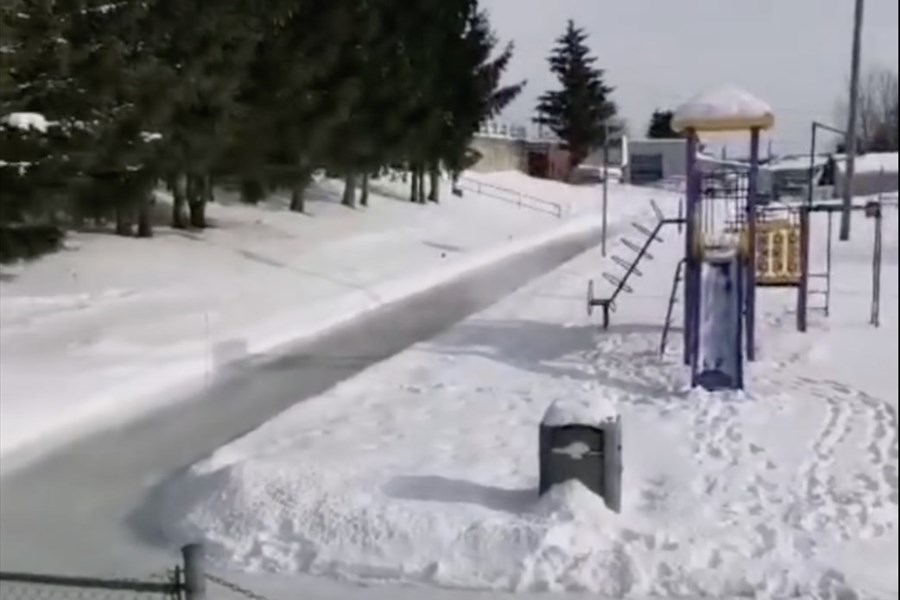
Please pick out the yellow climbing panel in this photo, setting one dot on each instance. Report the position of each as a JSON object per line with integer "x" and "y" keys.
{"x": 778, "y": 253}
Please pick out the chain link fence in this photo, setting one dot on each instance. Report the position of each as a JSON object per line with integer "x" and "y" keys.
{"x": 189, "y": 581}
{"x": 239, "y": 593}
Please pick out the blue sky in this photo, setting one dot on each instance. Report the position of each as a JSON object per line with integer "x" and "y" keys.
{"x": 795, "y": 54}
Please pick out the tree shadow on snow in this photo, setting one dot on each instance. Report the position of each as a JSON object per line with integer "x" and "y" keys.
{"x": 539, "y": 347}
{"x": 432, "y": 488}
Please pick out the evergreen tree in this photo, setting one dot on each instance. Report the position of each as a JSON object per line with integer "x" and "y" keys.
{"x": 486, "y": 98}
{"x": 263, "y": 91}
{"x": 580, "y": 111}
{"x": 35, "y": 166}
{"x": 206, "y": 54}
{"x": 479, "y": 95}
{"x": 284, "y": 117}
{"x": 660, "y": 126}
{"x": 466, "y": 92}
{"x": 357, "y": 91}
{"x": 120, "y": 77}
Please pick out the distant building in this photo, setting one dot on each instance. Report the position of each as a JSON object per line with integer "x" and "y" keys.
{"x": 652, "y": 161}
{"x": 499, "y": 154}
{"x": 789, "y": 176}
{"x": 548, "y": 160}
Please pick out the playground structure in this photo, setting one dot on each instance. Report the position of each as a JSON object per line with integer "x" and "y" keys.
{"x": 733, "y": 246}
{"x": 720, "y": 273}
{"x": 720, "y": 220}
{"x": 872, "y": 209}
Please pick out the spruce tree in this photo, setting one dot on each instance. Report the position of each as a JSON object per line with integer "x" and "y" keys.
{"x": 36, "y": 168}
{"x": 660, "y": 126}
{"x": 581, "y": 109}
{"x": 206, "y": 54}
{"x": 120, "y": 77}
{"x": 278, "y": 133}
{"x": 479, "y": 94}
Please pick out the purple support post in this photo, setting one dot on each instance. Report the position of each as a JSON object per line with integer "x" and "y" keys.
{"x": 691, "y": 279}
{"x": 803, "y": 287}
{"x": 752, "y": 187}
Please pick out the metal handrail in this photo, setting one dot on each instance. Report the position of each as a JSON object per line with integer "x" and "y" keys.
{"x": 520, "y": 199}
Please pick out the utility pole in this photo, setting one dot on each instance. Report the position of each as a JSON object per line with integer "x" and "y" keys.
{"x": 605, "y": 186}
{"x": 844, "y": 234}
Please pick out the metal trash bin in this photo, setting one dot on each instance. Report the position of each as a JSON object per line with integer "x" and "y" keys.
{"x": 588, "y": 452}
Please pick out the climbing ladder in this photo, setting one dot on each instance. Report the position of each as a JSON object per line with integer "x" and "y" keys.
{"x": 821, "y": 290}
{"x": 673, "y": 299}
{"x": 630, "y": 267}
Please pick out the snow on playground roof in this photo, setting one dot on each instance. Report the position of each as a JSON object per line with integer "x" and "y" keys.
{"x": 874, "y": 162}
{"x": 727, "y": 108}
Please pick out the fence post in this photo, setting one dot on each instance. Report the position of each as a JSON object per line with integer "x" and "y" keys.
{"x": 194, "y": 572}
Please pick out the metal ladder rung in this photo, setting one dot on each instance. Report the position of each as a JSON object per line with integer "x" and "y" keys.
{"x": 656, "y": 210}
{"x": 634, "y": 247}
{"x": 647, "y": 231}
{"x": 626, "y": 265}
{"x": 618, "y": 283}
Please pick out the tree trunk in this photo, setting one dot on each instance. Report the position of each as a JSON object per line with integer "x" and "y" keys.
{"x": 412, "y": 184}
{"x": 123, "y": 220}
{"x": 298, "y": 200}
{"x": 196, "y": 196}
{"x": 454, "y": 183}
{"x": 420, "y": 175}
{"x": 179, "y": 209}
{"x": 145, "y": 216}
{"x": 434, "y": 176}
{"x": 298, "y": 189}
{"x": 349, "y": 197}
{"x": 364, "y": 191}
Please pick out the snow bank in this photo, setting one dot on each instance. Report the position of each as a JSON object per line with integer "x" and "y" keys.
{"x": 728, "y": 108}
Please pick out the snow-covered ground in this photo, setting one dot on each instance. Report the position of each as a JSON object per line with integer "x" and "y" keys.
{"x": 111, "y": 327}
{"x": 423, "y": 469}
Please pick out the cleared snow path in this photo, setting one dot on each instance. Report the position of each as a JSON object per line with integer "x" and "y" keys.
{"x": 72, "y": 512}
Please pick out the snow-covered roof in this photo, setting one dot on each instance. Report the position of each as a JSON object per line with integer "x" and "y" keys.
{"x": 795, "y": 163}
{"x": 728, "y": 108}
{"x": 874, "y": 162}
